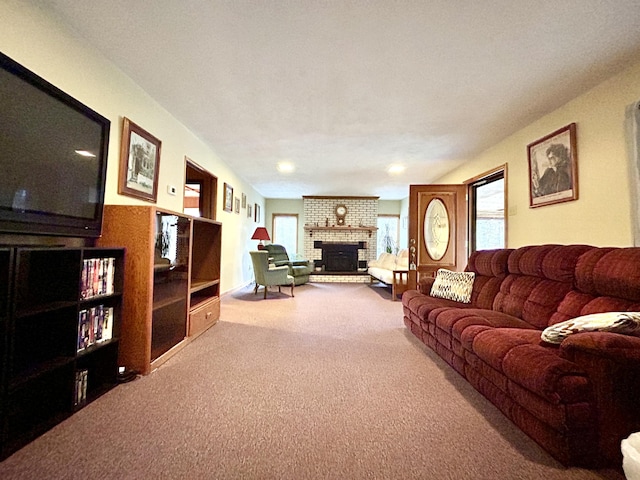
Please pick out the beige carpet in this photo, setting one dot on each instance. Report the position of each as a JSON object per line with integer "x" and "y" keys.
{"x": 326, "y": 385}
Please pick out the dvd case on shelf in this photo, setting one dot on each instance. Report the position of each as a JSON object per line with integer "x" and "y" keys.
{"x": 95, "y": 325}
{"x": 97, "y": 277}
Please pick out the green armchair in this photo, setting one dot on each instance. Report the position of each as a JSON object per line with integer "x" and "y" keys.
{"x": 265, "y": 276}
{"x": 298, "y": 269}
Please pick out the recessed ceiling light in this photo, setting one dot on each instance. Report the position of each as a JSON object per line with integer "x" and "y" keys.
{"x": 396, "y": 169}
{"x": 286, "y": 167}
{"x": 85, "y": 153}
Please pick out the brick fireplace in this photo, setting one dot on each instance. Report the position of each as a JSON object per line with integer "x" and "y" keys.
{"x": 359, "y": 230}
{"x": 339, "y": 256}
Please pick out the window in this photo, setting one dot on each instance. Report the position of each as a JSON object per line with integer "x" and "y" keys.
{"x": 487, "y": 207}
{"x": 388, "y": 233}
{"x": 285, "y": 232}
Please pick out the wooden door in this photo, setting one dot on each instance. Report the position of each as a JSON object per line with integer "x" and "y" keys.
{"x": 437, "y": 229}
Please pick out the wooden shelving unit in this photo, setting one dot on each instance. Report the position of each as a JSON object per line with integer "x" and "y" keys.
{"x": 41, "y": 305}
{"x": 173, "y": 280}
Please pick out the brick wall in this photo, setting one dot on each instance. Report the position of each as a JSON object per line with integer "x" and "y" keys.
{"x": 361, "y": 211}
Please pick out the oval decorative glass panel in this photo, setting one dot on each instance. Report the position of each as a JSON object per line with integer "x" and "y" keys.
{"x": 436, "y": 229}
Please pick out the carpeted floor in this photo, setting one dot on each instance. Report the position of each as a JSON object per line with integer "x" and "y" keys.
{"x": 326, "y": 385}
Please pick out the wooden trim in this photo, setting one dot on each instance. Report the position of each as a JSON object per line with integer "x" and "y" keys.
{"x": 209, "y": 187}
{"x": 502, "y": 168}
{"x": 487, "y": 174}
{"x": 341, "y": 229}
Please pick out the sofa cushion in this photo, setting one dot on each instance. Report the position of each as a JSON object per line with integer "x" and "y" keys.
{"x": 490, "y": 263}
{"x": 539, "y": 278}
{"x": 387, "y": 261}
{"x": 618, "y": 322}
{"x": 610, "y": 272}
{"x": 456, "y": 321}
{"x": 490, "y": 267}
{"x": 378, "y": 262}
{"x": 518, "y": 353}
{"x": 453, "y": 285}
{"x": 402, "y": 260}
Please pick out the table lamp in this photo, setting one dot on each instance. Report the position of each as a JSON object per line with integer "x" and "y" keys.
{"x": 261, "y": 234}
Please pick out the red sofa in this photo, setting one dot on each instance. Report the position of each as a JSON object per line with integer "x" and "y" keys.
{"x": 579, "y": 399}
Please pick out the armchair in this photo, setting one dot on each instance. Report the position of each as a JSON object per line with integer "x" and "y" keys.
{"x": 298, "y": 269}
{"x": 266, "y": 276}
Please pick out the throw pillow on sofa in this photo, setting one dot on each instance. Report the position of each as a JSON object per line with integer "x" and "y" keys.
{"x": 617, "y": 322}
{"x": 455, "y": 286}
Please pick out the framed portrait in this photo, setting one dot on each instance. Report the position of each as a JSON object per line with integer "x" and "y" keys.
{"x": 553, "y": 168}
{"x": 244, "y": 201}
{"x": 139, "y": 162}
{"x": 228, "y": 197}
{"x": 256, "y": 209}
{"x": 249, "y": 211}
{"x": 237, "y": 203}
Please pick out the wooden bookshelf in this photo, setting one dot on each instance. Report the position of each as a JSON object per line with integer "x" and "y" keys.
{"x": 168, "y": 285}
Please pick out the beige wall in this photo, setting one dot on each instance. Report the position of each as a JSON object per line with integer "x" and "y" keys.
{"x": 31, "y": 37}
{"x": 603, "y": 213}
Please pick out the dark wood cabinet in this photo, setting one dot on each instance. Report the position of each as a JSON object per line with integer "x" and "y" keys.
{"x": 47, "y": 371}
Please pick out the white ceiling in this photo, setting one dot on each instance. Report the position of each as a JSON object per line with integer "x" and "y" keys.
{"x": 345, "y": 88}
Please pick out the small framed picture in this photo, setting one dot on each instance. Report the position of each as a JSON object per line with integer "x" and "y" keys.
{"x": 139, "y": 162}
{"x": 237, "y": 203}
{"x": 228, "y": 197}
{"x": 553, "y": 168}
{"x": 249, "y": 211}
{"x": 257, "y": 213}
{"x": 244, "y": 201}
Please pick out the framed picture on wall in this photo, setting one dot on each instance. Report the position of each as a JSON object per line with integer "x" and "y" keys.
{"x": 257, "y": 213}
{"x": 244, "y": 201}
{"x": 249, "y": 211}
{"x": 237, "y": 202}
{"x": 553, "y": 168}
{"x": 228, "y": 197}
{"x": 139, "y": 162}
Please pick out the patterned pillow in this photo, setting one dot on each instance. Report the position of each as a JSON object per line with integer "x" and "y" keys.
{"x": 618, "y": 322}
{"x": 453, "y": 285}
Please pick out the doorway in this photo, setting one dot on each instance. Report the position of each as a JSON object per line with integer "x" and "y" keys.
{"x": 437, "y": 229}
{"x": 200, "y": 191}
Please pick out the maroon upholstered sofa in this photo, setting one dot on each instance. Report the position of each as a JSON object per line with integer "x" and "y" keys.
{"x": 579, "y": 399}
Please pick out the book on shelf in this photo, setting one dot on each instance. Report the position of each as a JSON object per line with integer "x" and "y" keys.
{"x": 95, "y": 325}
{"x": 97, "y": 277}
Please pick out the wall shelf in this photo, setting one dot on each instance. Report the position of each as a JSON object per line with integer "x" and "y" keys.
{"x": 347, "y": 228}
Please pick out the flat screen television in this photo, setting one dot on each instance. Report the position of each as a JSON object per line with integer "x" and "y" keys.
{"x": 53, "y": 158}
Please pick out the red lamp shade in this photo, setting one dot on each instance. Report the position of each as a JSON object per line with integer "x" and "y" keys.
{"x": 261, "y": 234}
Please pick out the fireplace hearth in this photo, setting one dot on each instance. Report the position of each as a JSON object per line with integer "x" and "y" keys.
{"x": 339, "y": 256}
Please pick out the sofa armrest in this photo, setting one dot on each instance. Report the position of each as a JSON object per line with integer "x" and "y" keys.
{"x": 623, "y": 349}
{"x": 302, "y": 263}
{"x": 425, "y": 284}
{"x": 612, "y": 364}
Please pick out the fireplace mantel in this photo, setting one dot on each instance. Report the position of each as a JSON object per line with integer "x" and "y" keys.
{"x": 311, "y": 229}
